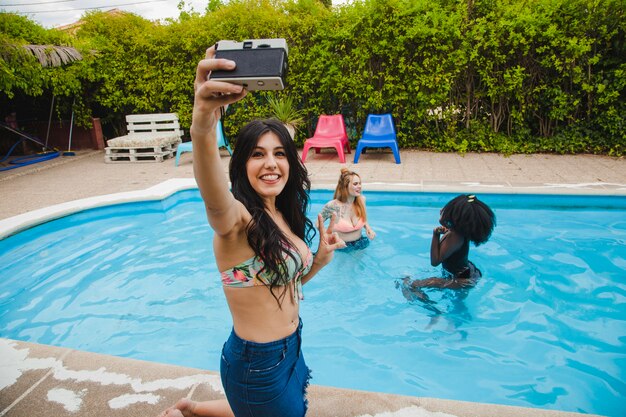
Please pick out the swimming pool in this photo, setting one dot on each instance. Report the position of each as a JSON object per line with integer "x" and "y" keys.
{"x": 544, "y": 328}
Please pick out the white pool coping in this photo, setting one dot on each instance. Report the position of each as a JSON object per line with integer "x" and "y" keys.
{"x": 16, "y": 224}
{"x": 157, "y": 192}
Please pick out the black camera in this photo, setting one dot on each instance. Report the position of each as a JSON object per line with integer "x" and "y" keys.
{"x": 261, "y": 63}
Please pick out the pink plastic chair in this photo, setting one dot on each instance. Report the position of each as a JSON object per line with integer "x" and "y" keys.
{"x": 329, "y": 133}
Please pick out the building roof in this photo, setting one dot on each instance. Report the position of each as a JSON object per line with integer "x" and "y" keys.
{"x": 71, "y": 28}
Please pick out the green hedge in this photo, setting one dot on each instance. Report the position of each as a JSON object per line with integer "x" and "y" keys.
{"x": 478, "y": 75}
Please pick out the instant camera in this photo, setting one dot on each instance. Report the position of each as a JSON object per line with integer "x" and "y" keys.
{"x": 261, "y": 63}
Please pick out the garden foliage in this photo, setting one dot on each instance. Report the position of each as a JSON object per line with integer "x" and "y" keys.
{"x": 473, "y": 75}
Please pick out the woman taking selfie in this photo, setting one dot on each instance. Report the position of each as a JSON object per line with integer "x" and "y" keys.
{"x": 261, "y": 245}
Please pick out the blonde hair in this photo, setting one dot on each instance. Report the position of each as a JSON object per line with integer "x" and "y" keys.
{"x": 341, "y": 192}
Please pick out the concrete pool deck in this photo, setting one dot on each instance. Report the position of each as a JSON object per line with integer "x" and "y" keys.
{"x": 38, "y": 380}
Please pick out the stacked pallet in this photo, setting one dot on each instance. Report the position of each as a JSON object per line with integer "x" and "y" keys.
{"x": 139, "y": 154}
{"x": 150, "y": 138}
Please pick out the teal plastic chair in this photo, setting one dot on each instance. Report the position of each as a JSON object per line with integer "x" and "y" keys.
{"x": 221, "y": 143}
{"x": 379, "y": 132}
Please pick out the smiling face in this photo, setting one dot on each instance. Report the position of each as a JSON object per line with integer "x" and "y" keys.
{"x": 354, "y": 187}
{"x": 268, "y": 167}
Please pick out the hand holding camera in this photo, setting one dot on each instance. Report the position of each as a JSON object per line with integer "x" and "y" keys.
{"x": 230, "y": 70}
{"x": 212, "y": 95}
{"x": 261, "y": 64}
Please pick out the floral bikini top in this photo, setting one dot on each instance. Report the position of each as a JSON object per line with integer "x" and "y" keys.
{"x": 249, "y": 274}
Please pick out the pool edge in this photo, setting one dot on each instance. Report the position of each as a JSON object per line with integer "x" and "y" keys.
{"x": 49, "y": 380}
{"x": 15, "y": 224}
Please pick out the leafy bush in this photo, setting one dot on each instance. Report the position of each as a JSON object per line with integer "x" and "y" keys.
{"x": 495, "y": 76}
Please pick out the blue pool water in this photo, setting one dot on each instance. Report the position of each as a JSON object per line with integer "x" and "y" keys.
{"x": 545, "y": 327}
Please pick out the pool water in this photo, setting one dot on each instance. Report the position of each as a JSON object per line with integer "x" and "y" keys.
{"x": 545, "y": 326}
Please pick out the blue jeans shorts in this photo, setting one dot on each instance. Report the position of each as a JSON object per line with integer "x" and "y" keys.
{"x": 265, "y": 379}
{"x": 361, "y": 243}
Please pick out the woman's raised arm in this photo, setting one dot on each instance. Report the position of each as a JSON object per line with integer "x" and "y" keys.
{"x": 223, "y": 211}
{"x": 329, "y": 209}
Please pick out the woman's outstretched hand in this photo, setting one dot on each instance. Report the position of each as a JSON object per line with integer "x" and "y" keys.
{"x": 210, "y": 95}
{"x": 329, "y": 241}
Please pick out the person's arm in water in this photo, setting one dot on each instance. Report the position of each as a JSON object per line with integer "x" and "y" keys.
{"x": 224, "y": 212}
{"x": 441, "y": 247}
{"x": 371, "y": 234}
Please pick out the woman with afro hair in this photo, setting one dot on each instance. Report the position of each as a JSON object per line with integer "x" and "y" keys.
{"x": 463, "y": 220}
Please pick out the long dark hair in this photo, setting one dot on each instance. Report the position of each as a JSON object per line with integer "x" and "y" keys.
{"x": 470, "y": 217}
{"x": 264, "y": 236}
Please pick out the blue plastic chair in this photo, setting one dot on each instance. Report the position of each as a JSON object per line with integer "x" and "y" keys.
{"x": 221, "y": 143}
{"x": 379, "y": 132}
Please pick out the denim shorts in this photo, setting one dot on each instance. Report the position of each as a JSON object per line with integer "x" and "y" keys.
{"x": 361, "y": 243}
{"x": 265, "y": 379}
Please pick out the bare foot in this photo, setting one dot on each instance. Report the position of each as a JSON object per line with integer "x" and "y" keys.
{"x": 188, "y": 408}
{"x": 183, "y": 408}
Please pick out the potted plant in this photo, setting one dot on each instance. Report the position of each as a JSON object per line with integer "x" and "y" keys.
{"x": 285, "y": 110}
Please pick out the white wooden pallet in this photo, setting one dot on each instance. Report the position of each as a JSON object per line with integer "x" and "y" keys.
{"x": 151, "y": 154}
{"x": 155, "y": 129}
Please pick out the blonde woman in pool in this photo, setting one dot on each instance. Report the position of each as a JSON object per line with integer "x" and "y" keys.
{"x": 348, "y": 206}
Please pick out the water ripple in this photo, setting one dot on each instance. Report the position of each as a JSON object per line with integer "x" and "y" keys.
{"x": 544, "y": 327}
